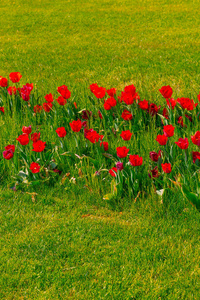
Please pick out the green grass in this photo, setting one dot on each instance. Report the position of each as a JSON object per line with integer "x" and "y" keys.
{"x": 108, "y": 42}
{"x": 69, "y": 243}
{"x": 70, "y": 247}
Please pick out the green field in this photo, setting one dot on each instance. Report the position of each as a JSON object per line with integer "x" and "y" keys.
{"x": 66, "y": 242}
{"x": 108, "y": 42}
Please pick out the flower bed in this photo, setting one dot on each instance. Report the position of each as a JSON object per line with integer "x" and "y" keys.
{"x": 122, "y": 141}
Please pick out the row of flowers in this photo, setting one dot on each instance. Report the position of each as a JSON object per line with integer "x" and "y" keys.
{"x": 94, "y": 137}
{"x": 128, "y": 96}
{"x": 174, "y": 115}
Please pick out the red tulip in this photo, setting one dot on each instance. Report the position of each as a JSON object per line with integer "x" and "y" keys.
{"x": 109, "y": 103}
{"x": 15, "y": 77}
{"x": 166, "y": 168}
{"x": 76, "y": 125}
{"x": 130, "y": 89}
{"x": 26, "y": 129}
{"x": 143, "y": 104}
{"x": 64, "y": 92}
{"x": 127, "y": 98}
{"x": 12, "y": 90}
{"x": 49, "y": 97}
{"x": 165, "y": 113}
{"x": 196, "y": 138}
{"x": 105, "y": 145}
{"x": 111, "y": 92}
{"x": 61, "y": 131}
{"x": 2, "y": 109}
{"x": 122, "y": 151}
{"x": 47, "y": 106}
{"x": 154, "y": 173}
{"x": 126, "y": 115}
{"x": 126, "y": 135}
{"x": 39, "y": 146}
{"x": 119, "y": 166}
{"x": 155, "y": 156}
{"x": 28, "y": 86}
{"x": 99, "y": 92}
{"x": 25, "y": 93}
{"x": 92, "y": 136}
{"x": 10, "y": 147}
{"x": 166, "y": 91}
{"x": 8, "y": 154}
{"x": 86, "y": 130}
{"x": 23, "y": 139}
{"x": 171, "y": 103}
{"x": 35, "y": 167}
{"x": 100, "y": 115}
{"x": 93, "y": 87}
{"x": 187, "y": 103}
{"x": 37, "y": 108}
{"x": 153, "y": 109}
{"x": 168, "y": 130}
{"x": 35, "y": 136}
{"x": 180, "y": 121}
{"x": 135, "y": 160}
{"x": 195, "y": 156}
{"x": 3, "y": 82}
{"x": 162, "y": 139}
{"x": 86, "y": 114}
{"x": 182, "y": 143}
{"x": 61, "y": 100}
{"x": 113, "y": 171}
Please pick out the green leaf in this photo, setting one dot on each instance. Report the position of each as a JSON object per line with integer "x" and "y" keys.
{"x": 53, "y": 165}
{"x": 192, "y": 197}
{"x": 22, "y": 174}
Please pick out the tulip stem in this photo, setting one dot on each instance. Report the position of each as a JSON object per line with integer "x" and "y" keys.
{"x": 185, "y": 153}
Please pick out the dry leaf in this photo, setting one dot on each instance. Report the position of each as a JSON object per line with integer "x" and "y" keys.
{"x": 108, "y": 155}
{"x": 89, "y": 188}
{"x": 65, "y": 177}
{"x": 33, "y": 196}
{"x": 137, "y": 196}
{"x": 46, "y": 172}
{"x": 85, "y": 216}
{"x": 80, "y": 173}
{"x": 80, "y": 157}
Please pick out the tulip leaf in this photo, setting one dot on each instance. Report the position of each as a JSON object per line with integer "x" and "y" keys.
{"x": 53, "y": 165}
{"x": 22, "y": 174}
{"x": 192, "y": 197}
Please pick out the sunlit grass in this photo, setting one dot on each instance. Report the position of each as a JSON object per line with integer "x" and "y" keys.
{"x": 109, "y": 42}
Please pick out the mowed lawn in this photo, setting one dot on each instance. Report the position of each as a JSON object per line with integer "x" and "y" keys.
{"x": 71, "y": 246}
{"x": 70, "y": 243}
{"x": 76, "y": 43}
